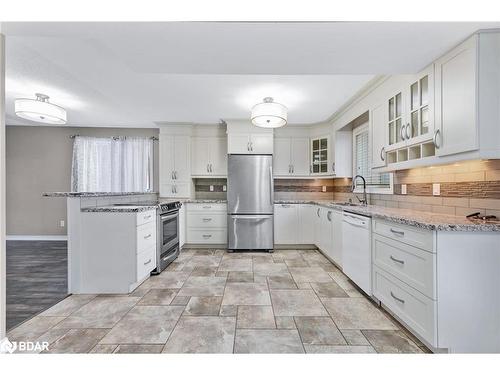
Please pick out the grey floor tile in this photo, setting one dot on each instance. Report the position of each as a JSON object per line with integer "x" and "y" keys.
{"x": 204, "y": 271}
{"x": 246, "y": 294}
{"x": 309, "y": 275}
{"x": 356, "y": 313}
{"x": 78, "y": 340}
{"x": 158, "y": 297}
{"x": 202, "y": 334}
{"x": 233, "y": 265}
{"x": 281, "y": 282}
{"x": 33, "y": 328}
{"x": 391, "y": 342}
{"x": 203, "y": 260}
{"x": 203, "y": 306}
{"x": 296, "y": 262}
{"x": 255, "y": 317}
{"x": 144, "y": 325}
{"x": 203, "y": 286}
{"x": 296, "y": 303}
{"x": 328, "y": 290}
{"x": 138, "y": 349}
{"x": 343, "y": 281}
{"x": 69, "y": 305}
{"x": 167, "y": 280}
{"x": 267, "y": 341}
{"x": 354, "y": 337}
{"x": 285, "y": 322}
{"x": 228, "y": 310}
{"x": 240, "y": 277}
{"x": 180, "y": 301}
{"x": 101, "y": 312}
{"x": 319, "y": 331}
{"x": 222, "y": 274}
{"x": 270, "y": 269}
{"x": 304, "y": 286}
{"x": 103, "y": 349}
{"x": 338, "y": 349}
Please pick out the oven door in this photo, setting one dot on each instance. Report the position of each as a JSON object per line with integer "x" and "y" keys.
{"x": 169, "y": 230}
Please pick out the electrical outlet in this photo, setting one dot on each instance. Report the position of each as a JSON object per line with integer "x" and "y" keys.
{"x": 211, "y": 187}
{"x": 436, "y": 189}
{"x": 403, "y": 189}
{"x": 323, "y": 189}
{"x": 61, "y": 223}
{"x": 224, "y": 188}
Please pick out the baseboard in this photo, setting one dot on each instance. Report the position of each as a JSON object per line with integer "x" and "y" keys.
{"x": 22, "y": 237}
{"x": 295, "y": 247}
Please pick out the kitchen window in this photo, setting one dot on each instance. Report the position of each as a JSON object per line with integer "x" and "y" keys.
{"x": 112, "y": 164}
{"x": 380, "y": 183}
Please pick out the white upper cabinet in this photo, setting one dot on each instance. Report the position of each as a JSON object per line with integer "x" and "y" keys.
{"x": 320, "y": 156}
{"x": 253, "y": 143}
{"x": 341, "y": 163}
{"x": 208, "y": 157}
{"x": 291, "y": 157}
{"x": 456, "y": 95}
{"x": 175, "y": 166}
{"x": 378, "y": 134}
{"x": 396, "y": 122}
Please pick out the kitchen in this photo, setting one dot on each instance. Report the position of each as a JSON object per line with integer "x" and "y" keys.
{"x": 346, "y": 235}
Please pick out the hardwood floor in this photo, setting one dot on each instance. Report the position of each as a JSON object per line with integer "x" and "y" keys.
{"x": 37, "y": 278}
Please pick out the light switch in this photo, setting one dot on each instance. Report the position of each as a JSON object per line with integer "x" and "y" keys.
{"x": 323, "y": 189}
{"x": 211, "y": 187}
{"x": 224, "y": 188}
{"x": 403, "y": 189}
{"x": 436, "y": 189}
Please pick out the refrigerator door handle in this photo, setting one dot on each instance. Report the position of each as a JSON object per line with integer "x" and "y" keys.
{"x": 271, "y": 193}
{"x": 250, "y": 217}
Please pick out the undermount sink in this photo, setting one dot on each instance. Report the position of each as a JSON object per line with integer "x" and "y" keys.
{"x": 347, "y": 204}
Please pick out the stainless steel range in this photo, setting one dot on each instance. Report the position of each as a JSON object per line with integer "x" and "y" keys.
{"x": 168, "y": 235}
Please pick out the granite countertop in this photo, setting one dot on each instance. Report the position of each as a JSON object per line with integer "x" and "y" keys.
{"x": 192, "y": 200}
{"x": 69, "y": 194}
{"x": 420, "y": 219}
{"x": 125, "y": 209}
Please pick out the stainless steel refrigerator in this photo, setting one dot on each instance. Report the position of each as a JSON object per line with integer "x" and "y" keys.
{"x": 250, "y": 199}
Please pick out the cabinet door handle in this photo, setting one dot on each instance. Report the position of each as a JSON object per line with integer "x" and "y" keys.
{"x": 208, "y": 169}
{"x": 397, "y": 260}
{"x": 148, "y": 236}
{"x": 172, "y": 175}
{"x": 399, "y": 232}
{"x": 211, "y": 168}
{"x": 207, "y": 219}
{"x": 172, "y": 189}
{"x": 285, "y": 205}
{"x": 175, "y": 189}
{"x": 382, "y": 153}
{"x": 329, "y": 215}
{"x": 146, "y": 263}
{"x": 397, "y": 298}
{"x": 401, "y": 134}
{"x": 147, "y": 217}
{"x": 317, "y": 212}
{"x": 434, "y": 139}
{"x": 408, "y": 131}
{"x": 248, "y": 146}
{"x": 293, "y": 168}
{"x": 207, "y": 207}
{"x": 207, "y": 235}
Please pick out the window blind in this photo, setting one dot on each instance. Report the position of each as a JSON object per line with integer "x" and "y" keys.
{"x": 363, "y": 162}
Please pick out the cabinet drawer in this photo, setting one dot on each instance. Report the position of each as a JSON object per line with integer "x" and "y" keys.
{"x": 413, "y": 266}
{"x": 206, "y": 207}
{"x": 146, "y": 217}
{"x": 206, "y": 236}
{"x": 206, "y": 220}
{"x": 409, "y": 305}
{"x": 146, "y": 236}
{"x": 420, "y": 238}
{"x": 146, "y": 262}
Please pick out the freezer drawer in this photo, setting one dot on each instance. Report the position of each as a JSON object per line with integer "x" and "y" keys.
{"x": 250, "y": 232}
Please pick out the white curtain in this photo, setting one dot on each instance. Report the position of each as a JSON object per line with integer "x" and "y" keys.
{"x": 112, "y": 164}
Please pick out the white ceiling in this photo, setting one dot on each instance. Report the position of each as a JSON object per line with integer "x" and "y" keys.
{"x": 136, "y": 74}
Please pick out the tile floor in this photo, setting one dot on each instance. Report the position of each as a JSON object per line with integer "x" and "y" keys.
{"x": 211, "y": 301}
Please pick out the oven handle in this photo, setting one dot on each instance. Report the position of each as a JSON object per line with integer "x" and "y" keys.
{"x": 166, "y": 217}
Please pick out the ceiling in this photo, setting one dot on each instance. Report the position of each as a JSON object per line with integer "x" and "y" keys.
{"x": 138, "y": 74}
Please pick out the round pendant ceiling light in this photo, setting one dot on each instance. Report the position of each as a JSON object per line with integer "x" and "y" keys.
{"x": 40, "y": 110}
{"x": 269, "y": 114}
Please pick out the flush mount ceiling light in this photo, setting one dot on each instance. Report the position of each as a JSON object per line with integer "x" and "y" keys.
{"x": 269, "y": 114}
{"x": 40, "y": 110}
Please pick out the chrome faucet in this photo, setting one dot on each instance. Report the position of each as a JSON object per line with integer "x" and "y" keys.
{"x": 363, "y": 201}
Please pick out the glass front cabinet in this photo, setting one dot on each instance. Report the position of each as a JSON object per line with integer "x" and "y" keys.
{"x": 410, "y": 120}
{"x": 320, "y": 155}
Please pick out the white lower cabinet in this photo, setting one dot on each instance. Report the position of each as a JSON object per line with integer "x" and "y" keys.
{"x": 206, "y": 223}
{"x": 307, "y": 213}
{"x": 336, "y": 248}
